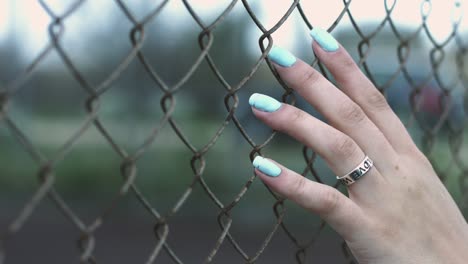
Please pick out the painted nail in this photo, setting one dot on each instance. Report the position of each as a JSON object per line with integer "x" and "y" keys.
{"x": 264, "y": 103}
{"x": 281, "y": 56}
{"x": 266, "y": 166}
{"x": 324, "y": 39}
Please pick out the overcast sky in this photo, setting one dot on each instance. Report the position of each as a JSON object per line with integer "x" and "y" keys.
{"x": 29, "y": 21}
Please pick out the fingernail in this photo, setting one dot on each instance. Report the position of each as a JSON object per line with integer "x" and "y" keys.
{"x": 264, "y": 103}
{"x": 324, "y": 39}
{"x": 281, "y": 56}
{"x": 266, "y": 166}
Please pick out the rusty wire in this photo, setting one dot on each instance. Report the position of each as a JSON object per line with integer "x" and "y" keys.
{"x": 128, "y": 167}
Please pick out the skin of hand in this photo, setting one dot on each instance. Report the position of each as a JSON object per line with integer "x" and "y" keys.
{"x": 399, "y": 211}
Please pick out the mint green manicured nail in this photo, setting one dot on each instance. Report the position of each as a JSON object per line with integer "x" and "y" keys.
{"x": 266, "y": 166}
{"x": 324, "y": 39}
{"x": 264, "y": 103}
{"x": 281, "y": 56}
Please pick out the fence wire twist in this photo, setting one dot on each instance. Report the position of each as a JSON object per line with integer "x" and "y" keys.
{"x": 128, "y": 167}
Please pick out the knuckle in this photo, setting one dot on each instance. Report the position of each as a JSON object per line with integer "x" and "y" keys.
{"x": 309, "y": 76}
{"x": 291, "y": 116}
{"x": 330, "y": 201}
{"x": 352, "y": 113}
{"x": 297, "y": 116}
{"x": 299, "y": 188}
{"x": 377, "y": 101}
{"x": 349, "y": 65}
{"x": 349, "y": 69}
{"x": 412, "y": 151}
{"x": 343, "y": 146}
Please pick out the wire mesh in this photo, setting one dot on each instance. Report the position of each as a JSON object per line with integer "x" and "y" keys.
{"x": 446, "y": 100}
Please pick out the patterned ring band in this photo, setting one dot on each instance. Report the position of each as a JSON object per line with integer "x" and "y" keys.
{"x": 357, "y": 173}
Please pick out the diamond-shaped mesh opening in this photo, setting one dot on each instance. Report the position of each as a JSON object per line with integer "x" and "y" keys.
{"x": 127, "y": 137}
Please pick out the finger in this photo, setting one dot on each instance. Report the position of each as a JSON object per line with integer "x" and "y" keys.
{"x": 338, "y": 150}
{"x": 360, "y": 89}
{"x": 338, "y": 210}
{"x": 336, "y": 107}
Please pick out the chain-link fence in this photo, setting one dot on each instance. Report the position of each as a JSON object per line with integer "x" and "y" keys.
{"x": 181, "y": 160}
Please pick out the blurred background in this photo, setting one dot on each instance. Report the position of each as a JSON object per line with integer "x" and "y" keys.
{"x": 414, "y": 51}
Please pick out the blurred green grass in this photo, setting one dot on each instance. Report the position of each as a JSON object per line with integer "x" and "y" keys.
{"x": 92, "y": 168}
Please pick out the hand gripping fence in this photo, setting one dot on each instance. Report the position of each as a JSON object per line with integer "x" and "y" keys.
{"x": 46, "y": 190}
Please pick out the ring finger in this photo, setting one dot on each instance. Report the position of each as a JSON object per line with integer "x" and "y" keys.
{"x": 340, "y": 151}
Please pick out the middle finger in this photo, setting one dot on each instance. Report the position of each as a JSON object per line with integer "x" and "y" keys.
{"x": 341, "y": 112}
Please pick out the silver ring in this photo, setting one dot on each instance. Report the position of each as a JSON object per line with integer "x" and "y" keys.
{"x": 357, "y": 173}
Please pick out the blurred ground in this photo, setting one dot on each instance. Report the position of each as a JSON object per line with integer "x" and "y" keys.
{"x": 128, "y": 238}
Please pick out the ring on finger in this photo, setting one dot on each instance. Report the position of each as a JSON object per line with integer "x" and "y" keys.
{"x": 357, "y": 172}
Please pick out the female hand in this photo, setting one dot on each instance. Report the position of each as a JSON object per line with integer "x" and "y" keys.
{"x": 399, "y": 211}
